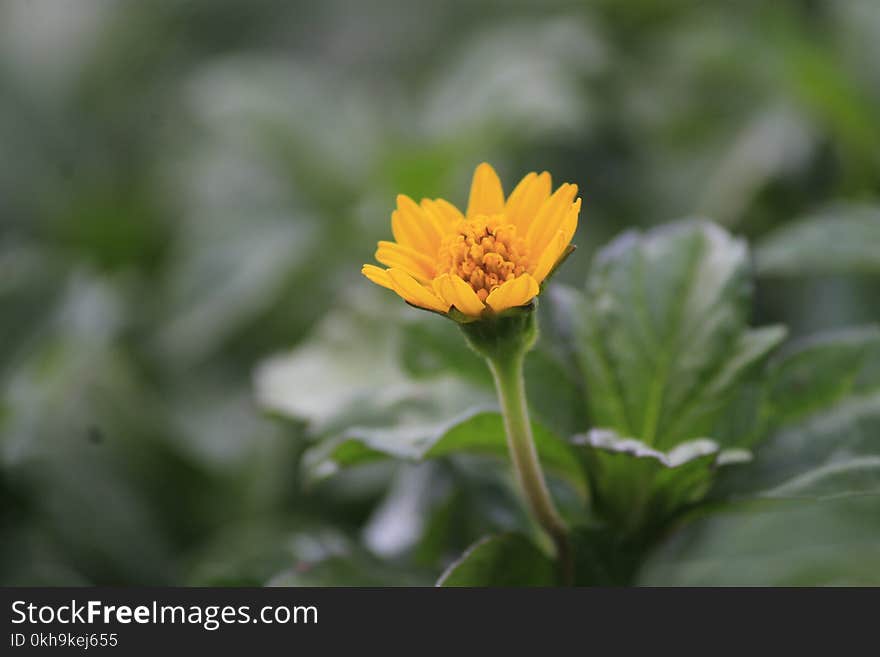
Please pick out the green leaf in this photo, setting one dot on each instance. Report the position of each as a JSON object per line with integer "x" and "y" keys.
{"x": 661, "y": 335}
{"x": 638, "y": 488}
{"x": 477, "y": 432}
{"x": 855, "y": 476}
{"x": 822, "y": 417}
{"x": 830, "y": 454}
{"x": 842, "y": 239}
{"x": 831, "y": 543}
{"x": 813, "y": 374}
{"x": 724, "y": 392}
{"x": 505, "y": 560}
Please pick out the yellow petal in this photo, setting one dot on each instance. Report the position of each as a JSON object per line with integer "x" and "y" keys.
{"x": 403, "y": 257}
{"x": 515, "y": 292}
{"x": 569, "y": 226}
{"x": 525, "y": 201}
{"x": 458, "y": 293}
{"x": 447, "y": 215}
{"x": 550, "y": 256}
{"x": 551, "y": 217}
{"x": 378, "y": 275}
{"x": 558, "y": 243}
{"x": 412, "y": 228}
{"x": 411, "y": 290}
{"x": 486, "y": 196}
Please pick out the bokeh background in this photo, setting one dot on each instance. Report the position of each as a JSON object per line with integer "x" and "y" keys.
{"x": 188, "y": 189}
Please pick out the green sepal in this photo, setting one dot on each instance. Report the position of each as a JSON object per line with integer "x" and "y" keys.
{"x": 513, "y": 331}
{"x": 459, "y": 317}
{"x": 488, "y": 316}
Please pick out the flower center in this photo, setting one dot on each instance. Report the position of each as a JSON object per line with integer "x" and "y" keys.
{"x": 484, "y": 251}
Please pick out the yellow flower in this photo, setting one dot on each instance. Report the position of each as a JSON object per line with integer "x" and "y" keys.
{"x": 490, "y": 259}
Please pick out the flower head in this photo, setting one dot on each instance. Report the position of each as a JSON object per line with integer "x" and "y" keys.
{"x": 492, "y": 258}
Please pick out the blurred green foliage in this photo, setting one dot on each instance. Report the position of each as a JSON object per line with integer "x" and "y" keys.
{"x": 189, "y": 189}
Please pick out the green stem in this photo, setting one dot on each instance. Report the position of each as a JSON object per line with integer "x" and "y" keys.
{"x": 507, "y": 369}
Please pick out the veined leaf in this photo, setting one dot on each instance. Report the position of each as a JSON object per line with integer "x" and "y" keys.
{"x": 661, "y": 335}
{"x": 785, "y": 544}
{"x": 811, "y": 375}
{"x": 856, "y": 476}
{"x": 503, "y": 560}
{"x": 477, "y": 432}
{"x": 637, "y": 488}
{"x": 831, "y": 454}
{"x": 822, "y": 421}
